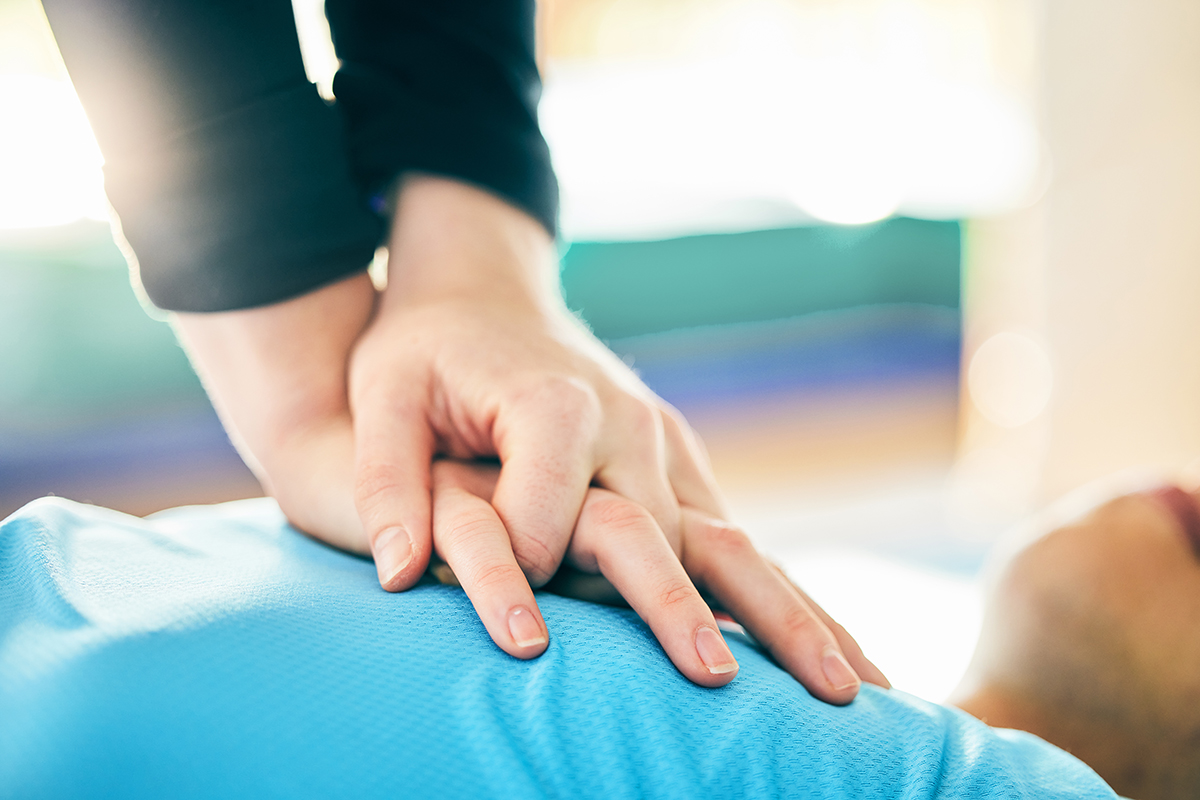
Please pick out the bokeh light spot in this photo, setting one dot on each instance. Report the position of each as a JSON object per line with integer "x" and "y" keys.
{"x": 1010, "y": 379}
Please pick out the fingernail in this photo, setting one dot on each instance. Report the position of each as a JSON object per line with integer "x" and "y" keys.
{"x": 837, "y": 670}
{"x": 524, "y": 627}
{"x": 713, "y": 652}
{"x": 393, "y": 551}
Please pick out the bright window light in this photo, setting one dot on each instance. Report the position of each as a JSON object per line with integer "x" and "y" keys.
{"x": 701, "y": 116}
{"x": 758, "y": 112}
{"x": 917, "y": 624}
{"x": 50, "y": 166}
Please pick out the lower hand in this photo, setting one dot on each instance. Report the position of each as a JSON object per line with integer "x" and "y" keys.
{"x": 619, "y": 541}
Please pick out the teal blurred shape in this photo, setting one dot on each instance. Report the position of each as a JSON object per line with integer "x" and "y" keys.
{"x": 633, "y": 288}
{"x": 75, "y": 344}
{"x": 76, "y": 347}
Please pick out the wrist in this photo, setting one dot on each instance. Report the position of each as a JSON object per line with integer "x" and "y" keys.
{"x": 450, "y": 240}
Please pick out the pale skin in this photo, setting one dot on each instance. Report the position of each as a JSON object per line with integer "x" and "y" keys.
{"x": 342, "y": 401}
{"x": 1091, "y": 640}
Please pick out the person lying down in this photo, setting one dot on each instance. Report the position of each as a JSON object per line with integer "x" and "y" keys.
{"x": 1091, "y": 640}
{"x": 217, "y": 652}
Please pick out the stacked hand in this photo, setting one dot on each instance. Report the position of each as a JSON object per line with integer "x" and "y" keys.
{"x": 346, "y": 403}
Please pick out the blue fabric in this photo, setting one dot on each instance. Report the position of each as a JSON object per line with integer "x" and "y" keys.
{"x": 215, "y": 652}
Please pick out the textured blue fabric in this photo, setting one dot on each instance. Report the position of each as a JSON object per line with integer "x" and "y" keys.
{"x": 215, "y": 652}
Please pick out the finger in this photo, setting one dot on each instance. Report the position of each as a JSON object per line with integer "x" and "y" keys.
{"x": 480, "y": 480}
{"x": 393, "y": 450}
{"x": 865, "y": 668}
{"x": 472, "y": 540}
{"x": 638, "y": 468}
{"x": 622, "y": 541}
{"x": 725, "y": 563}
{"x": 476, "y": 477}
{"x": 546, "y": 448}
{"x": 688, "y": 467}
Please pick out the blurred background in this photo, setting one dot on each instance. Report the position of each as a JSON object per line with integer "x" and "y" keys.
{"x": 911, "y": 267}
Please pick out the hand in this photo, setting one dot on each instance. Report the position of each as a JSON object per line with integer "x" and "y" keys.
{"x": 483, "y": 360}
{"x": 618, "y": 540}
{"x": 473, "y": 354}
{"x": 277, "y": 377}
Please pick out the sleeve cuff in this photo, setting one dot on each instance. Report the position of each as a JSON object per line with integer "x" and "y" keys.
{"x": 395, "y": 130}
{"x": 251, "y": 208}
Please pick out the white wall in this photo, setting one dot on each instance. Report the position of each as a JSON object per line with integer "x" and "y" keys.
{"x": 1104, "y": 271}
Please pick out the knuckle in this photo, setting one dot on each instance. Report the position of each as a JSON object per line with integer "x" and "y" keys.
{"x": 715, "y": 545}
{"x": 568, "y": 395}
{"x": 683, "y": 435}
{"x": 468, "y": 532}
{"x": 490, "y": 574}
{"x": 799, "y": 623}
{"x": 565, "y": 405}
{"x": 620, "y": 517}
{"x": 675, "y": 421}
{"x": 536, "y": 561}
{"x": 725, "y": 539}
{"x": 674, "y": 593}
{"x": 641, "y": 419}
{"x": 372, "y": 482}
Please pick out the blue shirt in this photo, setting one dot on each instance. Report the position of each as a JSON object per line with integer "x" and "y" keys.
{"x": 216, "y": 652}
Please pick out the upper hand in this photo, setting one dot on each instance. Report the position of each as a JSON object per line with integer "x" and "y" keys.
{"x": 472, "y": 353}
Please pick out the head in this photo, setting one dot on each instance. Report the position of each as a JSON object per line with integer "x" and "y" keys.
{"x": 1091, "y": 640}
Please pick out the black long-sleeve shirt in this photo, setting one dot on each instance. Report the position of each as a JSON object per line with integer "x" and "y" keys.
{"x": 237, "y": 185}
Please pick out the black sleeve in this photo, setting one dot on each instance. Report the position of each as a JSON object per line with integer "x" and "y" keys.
{"x": 227, "y": 170}
{"x": 236, "y": 185}
{"x": 449, "y": 87}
